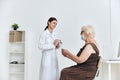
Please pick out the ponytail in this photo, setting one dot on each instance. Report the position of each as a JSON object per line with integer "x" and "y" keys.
{"x": 46, "y": 27}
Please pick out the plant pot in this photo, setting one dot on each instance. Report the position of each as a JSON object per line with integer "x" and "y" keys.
{"x": 15, "y": 28}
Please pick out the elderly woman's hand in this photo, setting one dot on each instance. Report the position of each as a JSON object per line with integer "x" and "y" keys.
{"x": 65, "y": 52}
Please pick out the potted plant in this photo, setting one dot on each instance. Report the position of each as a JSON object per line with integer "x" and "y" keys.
{"x": 15, "y": 26}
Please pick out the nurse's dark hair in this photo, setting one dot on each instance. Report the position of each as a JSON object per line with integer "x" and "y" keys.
{"x": 50, "y": 20}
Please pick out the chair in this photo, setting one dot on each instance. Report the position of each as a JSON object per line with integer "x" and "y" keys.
{"x": 98, "y": 70}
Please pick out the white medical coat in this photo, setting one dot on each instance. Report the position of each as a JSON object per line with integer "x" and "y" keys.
{"x": 49, "y": 63}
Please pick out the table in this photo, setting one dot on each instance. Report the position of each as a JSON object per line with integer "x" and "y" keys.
{"x": 109, "y": 66}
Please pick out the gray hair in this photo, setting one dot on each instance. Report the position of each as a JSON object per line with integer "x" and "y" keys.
{"x": 89, "y": 30}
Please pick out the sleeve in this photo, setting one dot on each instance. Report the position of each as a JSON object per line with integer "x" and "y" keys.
{"x": 42, "y": 45}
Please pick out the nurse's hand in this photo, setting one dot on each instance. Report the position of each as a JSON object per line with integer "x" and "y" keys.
{"x": 56, "y": 43}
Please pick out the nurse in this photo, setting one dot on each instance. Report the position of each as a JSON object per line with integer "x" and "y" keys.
{"x": 48, "y": 43}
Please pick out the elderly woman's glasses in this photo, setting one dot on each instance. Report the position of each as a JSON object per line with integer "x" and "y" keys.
{"x": 81, "y": 32}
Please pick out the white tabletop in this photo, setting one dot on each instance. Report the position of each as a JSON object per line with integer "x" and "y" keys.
{"x": 111, "y": 61}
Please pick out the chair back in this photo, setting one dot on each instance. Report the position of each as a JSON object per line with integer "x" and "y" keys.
{"x": 98, "y": 67}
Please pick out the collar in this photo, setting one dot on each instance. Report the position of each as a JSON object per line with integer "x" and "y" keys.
{"x": 48, "y": 32}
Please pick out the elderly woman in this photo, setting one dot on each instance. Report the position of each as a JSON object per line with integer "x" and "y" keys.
{"x": 86, "y": 59}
